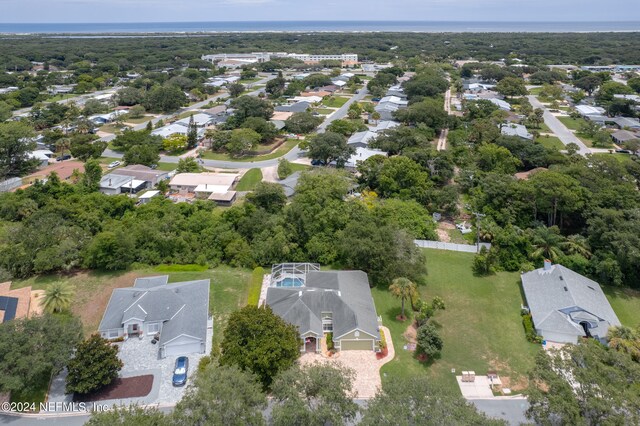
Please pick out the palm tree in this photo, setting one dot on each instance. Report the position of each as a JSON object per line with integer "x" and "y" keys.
{"x": 547, "y": 243}
{"x": 57, "y": 297}
{"x": 403, "y": 289}
{"x": 577, "y": 244}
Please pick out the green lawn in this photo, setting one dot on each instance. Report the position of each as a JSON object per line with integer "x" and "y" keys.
{"x": 249, "y": 180}
{"x": 325, "y": 111}
{"x": 167, "y": 167}
{"x": 622, "y": 158}
{"x": 334, "y": 101}
{"x": 626, "y": 304}
{"x": 535, "y": 91}
{"x": 61, "y": 97}
{"x": 229, "y": 287}
{"x": 139, "y": 120}
{"x": 572, "y": 123}
{"x": 550, "y": 142}
{"x": 481, "y": 326}
{"x": 279, "y": 152}
{"x": 250, "y": 80}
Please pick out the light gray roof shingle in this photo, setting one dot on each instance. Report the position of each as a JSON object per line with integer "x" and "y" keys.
{"x": 346, "y": 294}
{"x": 182, "y": 307}
{"x": 561, "y": 294}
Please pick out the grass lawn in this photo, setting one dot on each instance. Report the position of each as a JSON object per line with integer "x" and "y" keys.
{"x": 61, "y": 97}
{"x": 626, "y": 304}
{"x": 249, "y": 181}
{"x": 535, "y": 91}
{"x": 140, "y": 120}
{"x": 481, "y": 326}
{"x": 572, "y": 123}
{"x": 621, "y": 157}
{"x": 550, "y": 142}
{"x": 279, "y": 152}
{"x": 229, "y": 287}
{"x": 249, "y": 80}
{"x": 112, "y": 128}
{"x": 325, "y": 111}
{"x": 167, "y": 167}
{"x": 335, "y": 101}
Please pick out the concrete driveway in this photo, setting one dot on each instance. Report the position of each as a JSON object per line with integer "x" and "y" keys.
{"x": 365, "y": 364}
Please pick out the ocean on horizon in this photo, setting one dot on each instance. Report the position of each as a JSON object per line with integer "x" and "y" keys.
{"x": 315, "y": 26}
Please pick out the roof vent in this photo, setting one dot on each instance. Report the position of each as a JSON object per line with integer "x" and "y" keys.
{"x": 300, "y": 293}
{"x": 561, "y": 278}
{"x": 565, "y": 288}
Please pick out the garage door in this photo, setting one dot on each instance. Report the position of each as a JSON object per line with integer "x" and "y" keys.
{"x": 181, "y": 349}
{"x": 353, "y": 345}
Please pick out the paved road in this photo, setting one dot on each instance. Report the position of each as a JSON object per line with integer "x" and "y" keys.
{"x": 294, "y": 154}
{"x": 558, "y": 128}
{"x": 344, "y": 109}
{"x": 442, "y": 140}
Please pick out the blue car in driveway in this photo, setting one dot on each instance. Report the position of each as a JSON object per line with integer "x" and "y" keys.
{"x": 180, "y": 371}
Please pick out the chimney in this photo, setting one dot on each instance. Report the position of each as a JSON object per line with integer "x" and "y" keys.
{"x": 547, "y": 265}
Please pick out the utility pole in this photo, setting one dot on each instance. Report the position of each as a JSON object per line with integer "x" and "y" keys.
{"x": 479, "y": 217}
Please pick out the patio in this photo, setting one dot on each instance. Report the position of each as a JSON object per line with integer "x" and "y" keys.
{"x": 364, "y": 363}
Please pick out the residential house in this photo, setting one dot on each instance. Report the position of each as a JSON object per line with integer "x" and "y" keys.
{"x": 199, "y": 120}
{"x": 42, "y": 155}
{"x": 178, "y": 313}
{"x": 148, "y": 196}
{"x": 362, "y": 139}
{"x": 14, "y": 304}
{"x": 566, "y": 306}
{"x": 216, "y": 187}
{"x": 293, "y": 108}
{"x": 503, "y": 105}
{"x": 514, "y": 129}
{"x": 100, "y": 119}
{"x": 309, "y": 99}
{"x": 622, "y": 136}
{"x": 320, "y": 302}
{"x": 587, "y": 110}
{"x": 114, "y": 184}
{"x": 384, "y": 125}
{"x": 289, "y": 184}
{"x": 362, "y": 154}
{"x": 143, "y": 173}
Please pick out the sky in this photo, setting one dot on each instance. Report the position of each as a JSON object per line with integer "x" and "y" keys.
{"x": 65, "y": 11}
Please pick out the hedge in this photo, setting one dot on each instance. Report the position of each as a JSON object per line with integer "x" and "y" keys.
{"x": 529, "y": 330}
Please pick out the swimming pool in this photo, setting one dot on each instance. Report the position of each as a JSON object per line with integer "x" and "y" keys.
{"x": 290, "y": 282}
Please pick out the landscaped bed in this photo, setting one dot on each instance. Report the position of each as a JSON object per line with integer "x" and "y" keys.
{"x": 128, "y": 387}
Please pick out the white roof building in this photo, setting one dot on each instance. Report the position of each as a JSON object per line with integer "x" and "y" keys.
{"x": 590, "y": 110}
{"x": 204, "y": 182}
{"x": 362, "y": 154}
{"x": 503, "y": 105}
{"x": 514, "y": 129}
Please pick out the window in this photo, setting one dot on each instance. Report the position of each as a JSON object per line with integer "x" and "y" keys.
{"x": 113, "y": 334}
{"x": 327, "y": 323}
{"x": 357, "y": 334}
{"x": 153, "y": 328}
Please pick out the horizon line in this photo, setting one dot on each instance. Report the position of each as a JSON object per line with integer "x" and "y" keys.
{"x": 327, "y": 20}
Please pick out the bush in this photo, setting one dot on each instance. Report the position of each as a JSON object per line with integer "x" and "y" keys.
{"x": 529, "y": 330}
{"x": 330, "y": 345}
{"x": 255, "y": 286}
{"x": 284, "y": 169}
{"x": 429, "y": 341}
{"x": 95, "y": 365}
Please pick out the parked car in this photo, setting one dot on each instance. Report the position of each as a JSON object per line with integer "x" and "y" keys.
{"x": 180, "y": 371}
{"x": 63, "y": 157}
{"x": 114, "y": 164}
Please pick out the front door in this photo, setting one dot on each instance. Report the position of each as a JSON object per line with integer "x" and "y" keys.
{"x": 310, "y": 344}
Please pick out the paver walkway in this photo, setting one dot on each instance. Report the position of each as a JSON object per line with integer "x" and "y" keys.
{"x": 364, "y": 363}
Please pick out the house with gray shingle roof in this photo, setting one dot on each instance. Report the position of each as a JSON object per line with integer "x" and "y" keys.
{"x": 178, "y": 312}
{"x": 321, "y": 302}
{"x": 566, "y": 306}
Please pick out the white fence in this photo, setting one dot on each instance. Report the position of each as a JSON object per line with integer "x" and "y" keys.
{"x": 9, "y": 184}
{"x": 439, "y": 245}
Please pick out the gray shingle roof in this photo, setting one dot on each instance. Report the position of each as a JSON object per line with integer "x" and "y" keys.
{"x": 560, "y": 298}
{"x": 182, "y": 307}
{"x": 346, "y": 294}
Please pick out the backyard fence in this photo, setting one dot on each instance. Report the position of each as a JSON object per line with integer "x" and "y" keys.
{"x": 439, "y": 245}
{"x": 9, "y": 184}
